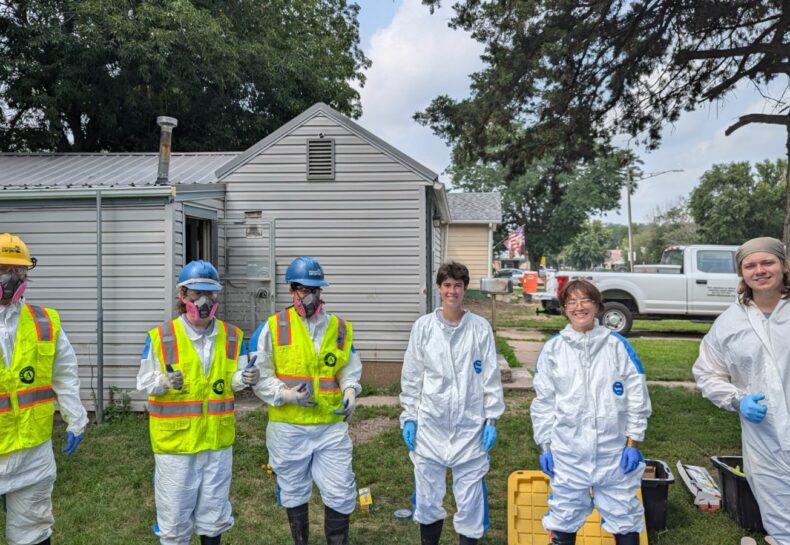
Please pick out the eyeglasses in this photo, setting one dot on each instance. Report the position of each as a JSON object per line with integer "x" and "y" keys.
{"x": 573, "y": 303}
{"x": 304, "y": 290}
{"x": 19, "y": 270}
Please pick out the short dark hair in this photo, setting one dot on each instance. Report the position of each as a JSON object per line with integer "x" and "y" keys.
{"x": 453, "y": 270}
{"x": 585, "y": 287}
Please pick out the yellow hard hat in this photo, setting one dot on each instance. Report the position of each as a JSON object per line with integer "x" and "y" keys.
{"x": 14, "y": 252}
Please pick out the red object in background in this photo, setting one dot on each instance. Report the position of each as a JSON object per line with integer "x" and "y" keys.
{"x": 561, "y": 281}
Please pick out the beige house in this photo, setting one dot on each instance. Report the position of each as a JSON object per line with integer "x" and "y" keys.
{"x": 470, "y": 235}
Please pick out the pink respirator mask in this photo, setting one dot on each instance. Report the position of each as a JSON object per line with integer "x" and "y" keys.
{"x": 202, "y": 308}
{"x": 309, "y": 305}
{"x": 12, "y": 287}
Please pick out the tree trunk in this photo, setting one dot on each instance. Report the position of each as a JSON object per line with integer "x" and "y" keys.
{"x": 786, "y": 229}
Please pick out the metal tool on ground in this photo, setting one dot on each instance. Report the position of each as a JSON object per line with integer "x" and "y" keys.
{"x": 701, "y": 485}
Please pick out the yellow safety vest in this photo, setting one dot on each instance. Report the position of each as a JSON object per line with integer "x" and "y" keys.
{"x": 296, "y": 363}
{"x": 200, "y": 416}
{"x": 27, "y": 400}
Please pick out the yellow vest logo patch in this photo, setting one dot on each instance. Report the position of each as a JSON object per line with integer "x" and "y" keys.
{"x": 218, "y": 386}
{"x": 330, "y": 360}
{"x": 27, "y": 375}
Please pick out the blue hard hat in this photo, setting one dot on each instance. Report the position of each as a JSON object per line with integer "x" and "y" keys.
{"x": 199, "y": 275}
{"x": 307, "y": 272}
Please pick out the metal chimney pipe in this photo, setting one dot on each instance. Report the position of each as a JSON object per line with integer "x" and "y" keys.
{"x": 165, "y": 141}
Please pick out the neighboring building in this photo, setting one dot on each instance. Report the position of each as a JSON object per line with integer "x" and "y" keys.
{"x": 320, "y": 185}
{"x": 469, "y": 235}
{"x": 614, "y": 260}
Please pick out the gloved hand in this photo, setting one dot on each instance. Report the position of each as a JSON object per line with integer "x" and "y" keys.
{"x": 251, "y": 375}
{"x": 349, "y": 404}
{"x": 409, "y": 431}
{"x": 489, "y": 437}
{"x": 172, "y": 381}
{"x": 629, "y": 459}
{"x": 751, "y": 409}
{"x": 72, "y": 442}
{"x": 547, "y": 463}
{"x": 298, "y": 396}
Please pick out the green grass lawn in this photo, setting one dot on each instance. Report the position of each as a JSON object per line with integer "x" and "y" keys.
{"x": 504, "y": 348}
{"x": 103, "y": 494}
{"x": 552, "y": 324}
{"x": 667, "y": 359}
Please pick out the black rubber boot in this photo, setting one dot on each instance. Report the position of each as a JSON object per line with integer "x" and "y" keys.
{"x": 205, "y": 540}
{"x": 430, "y": 533}
{"x": 335, "y": 527}
{"x": 563, "y": 538}
{"x": 299, "y": 522}
{"x": 463, "y": 540}
{"x": 626, "y": 539}
{"x": 47, "y": 541}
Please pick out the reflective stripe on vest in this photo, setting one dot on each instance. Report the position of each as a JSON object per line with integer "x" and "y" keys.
{"x": 28, "y": 398}
{"x": 42, "y": 322}
{"x": 341, "y": 335}
{"x": 283, "y": 328}
{"x": 5, "y": 403}
{"x": 221, "y": 406}
{"x": 232, "y": 343}
{"x": 175, "y": 409}
{"x": 325, "y": 384}
{"x": 167, "y": 334}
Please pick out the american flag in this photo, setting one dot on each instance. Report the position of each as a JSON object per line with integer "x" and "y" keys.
{"x": 515, "y": 242}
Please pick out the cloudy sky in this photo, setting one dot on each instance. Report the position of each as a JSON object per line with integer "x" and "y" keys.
{"x": 417, "y": 57}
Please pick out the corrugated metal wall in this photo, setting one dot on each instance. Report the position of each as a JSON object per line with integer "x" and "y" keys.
{"x": 367, "y": 228}
{"x": 63, "y": 239}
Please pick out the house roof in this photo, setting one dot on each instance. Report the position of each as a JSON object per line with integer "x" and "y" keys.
{"x": 475, "y": 207}
{"x": 86, "y": 170}
{"x": 322, "y": 109}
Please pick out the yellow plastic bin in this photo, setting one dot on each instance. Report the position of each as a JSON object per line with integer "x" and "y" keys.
{"x": 527, "y": 501}
{"x": 529, "y": 282}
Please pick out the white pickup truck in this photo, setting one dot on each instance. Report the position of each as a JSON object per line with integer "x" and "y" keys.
{"x": 696, "y": 281}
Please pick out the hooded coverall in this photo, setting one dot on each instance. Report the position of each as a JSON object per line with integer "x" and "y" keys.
{"x": 450, "y": 386}
{"x": 27, "y": 475}
{"x": 746, "y": 352}
{"x": 301, "y": 453}
{"x": 591, "y": 395}
{"x": 191, "y": 490}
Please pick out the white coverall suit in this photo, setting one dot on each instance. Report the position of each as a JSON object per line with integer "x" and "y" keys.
{"x": 746, "y": 353}
{"x": 450, "y": 386}
{"x": 591, "y": 395}
{"x": 300, "y": 454}
{"x": 191, "y": 490}
{"x": 27, "y": 476}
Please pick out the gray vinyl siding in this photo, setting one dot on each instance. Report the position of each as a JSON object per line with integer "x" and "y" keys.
{"x": 134, "y": 243}
{"x": 366, "y": 227}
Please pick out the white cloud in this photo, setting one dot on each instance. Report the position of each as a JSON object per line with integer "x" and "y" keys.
{"x": 416, "y": 58}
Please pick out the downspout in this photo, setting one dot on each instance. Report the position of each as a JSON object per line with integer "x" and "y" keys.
{"x": 446, "y": 242}
{"x": 489, "y": 270}
{"x": 99, "y": 314}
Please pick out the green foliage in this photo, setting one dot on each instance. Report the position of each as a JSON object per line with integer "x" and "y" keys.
{"x": 671, "y": 227}
{"x": 119, "y": 406}
{"x": 503, "y": 348}
{"x": 588, "y": 249}
{"x": 92, "y": 75}
{"x": 734, "y": 202}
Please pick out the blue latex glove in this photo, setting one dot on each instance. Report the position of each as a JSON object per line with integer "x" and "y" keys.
{"x": 409, "y": 431}
{"x": 72, "y": 442}
{"x": 630, "y": 459}
{"x": 547, "y": 463}
{"x": 751, "y": 409}
{"x": 489, "y": 437}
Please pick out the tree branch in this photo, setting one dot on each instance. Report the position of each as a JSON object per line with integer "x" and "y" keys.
{"x": 757, "y": 118}
{"x": 773, "y": 49}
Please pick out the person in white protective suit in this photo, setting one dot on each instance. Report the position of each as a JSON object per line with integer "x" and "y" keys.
{"x": 310, "y": 379}
{"x": 744, "y": 366}
{"x": 451, "y": 396}
{"x": 190, "y": 368}
{"x": 38, "y": 366}
{"x": 588, "y": 417}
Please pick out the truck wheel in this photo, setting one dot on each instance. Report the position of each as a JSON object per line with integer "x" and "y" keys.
{"x": 617, "y": 317}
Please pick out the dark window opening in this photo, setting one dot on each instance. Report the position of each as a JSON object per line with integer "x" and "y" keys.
{"x": 198, "y": 239}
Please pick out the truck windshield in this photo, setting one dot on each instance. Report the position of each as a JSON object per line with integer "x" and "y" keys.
{"x": 715, "y": 261}
{"x": 672, "y": 256}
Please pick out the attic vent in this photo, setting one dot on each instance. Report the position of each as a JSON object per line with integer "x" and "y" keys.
{"x": 321, "y": 159}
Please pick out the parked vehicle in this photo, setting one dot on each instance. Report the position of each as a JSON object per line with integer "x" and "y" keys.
{"x": 514, "y": 274}
{"x": 696, "y": 281}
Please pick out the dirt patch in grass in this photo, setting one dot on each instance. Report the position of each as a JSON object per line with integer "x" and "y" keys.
{"x": 363, "y": 431}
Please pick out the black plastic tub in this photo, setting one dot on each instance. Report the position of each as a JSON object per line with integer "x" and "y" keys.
{"x": 736, "y": 494}
{"x": 654, "y": 495}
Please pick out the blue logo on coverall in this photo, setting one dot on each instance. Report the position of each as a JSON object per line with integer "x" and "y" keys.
{"x": 478, "y": 365}
{"x": 617, "y": 388}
